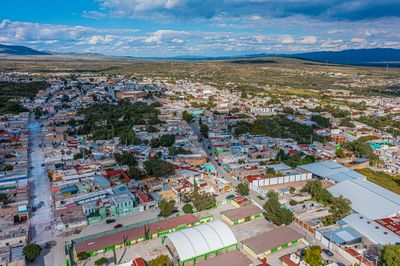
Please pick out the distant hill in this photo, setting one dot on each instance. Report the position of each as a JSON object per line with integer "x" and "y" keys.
{"x": 19, "y": 50}
{"x": 368, "y": 57}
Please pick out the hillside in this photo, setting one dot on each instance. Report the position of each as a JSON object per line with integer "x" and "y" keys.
{"x": 19, "y": 50}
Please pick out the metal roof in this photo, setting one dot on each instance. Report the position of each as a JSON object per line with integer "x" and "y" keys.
{"x": 202, "y": 239}
{"x": 368, "y": 199}
{"x": 332, "y": 170}
{"x": 371, "y": 229}
{"x": 343, "y": 235}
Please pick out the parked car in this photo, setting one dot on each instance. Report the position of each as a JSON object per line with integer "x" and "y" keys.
{"x": 117, "y": 226}
{"x": 50, "y": 244}
{"x": 110, "y": 221}
{"x": 231, "y": 196}
{"x": 327, "y": 252}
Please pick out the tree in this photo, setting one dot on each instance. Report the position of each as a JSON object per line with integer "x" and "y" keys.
{"x": 275, "y": 213}
{"x": 162, "y": 260}
{"x": 243, "y": 189}
{"x": 202, "y": 201}
{"x": 125, "y": 158}
{"x": 158, "y": 168}
{"x": 292, "y": 202}
{"x": 390, "y": 255}
{"x": 32, "y": 251}
{"x": 4, "y": 198}
{"x": 166, "y": 207}
{"x": 155, "y": 143}
{"x": 340, "y": 208}
{"x": 83, "y": 255}
{"x": 8, "y": 167}
{"x": 187, "y": 208}
{"x": 204, "y": 130}
{"x": 187, "y": 117}
{"x": 292, "y": 190}
{"x": 270, "y": 171}
{"x": 319, "y": 193}
{"x": 321, "y": 121}
{"x": 167, "y": 140}
{"x": 136, "y": 173}
{"x": 313, "y": 256}
{"x": 101, "y": 261}
{"x": 78, "y": 156}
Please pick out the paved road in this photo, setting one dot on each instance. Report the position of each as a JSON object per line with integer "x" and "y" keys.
{"x": 220, "y": 170}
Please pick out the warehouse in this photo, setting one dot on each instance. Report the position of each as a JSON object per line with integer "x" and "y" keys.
{"x": 343, "y": 236}
{"x": 194, "y": 245}
{"x": 242, "y": 214}
{"x": 269, "y": 242}
{"x": 332, "y": 170}
{"x": 233, "y": 258}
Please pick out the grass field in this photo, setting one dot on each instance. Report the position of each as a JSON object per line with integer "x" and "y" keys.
{"x": 276, "y": 76}
{"x": 382, "y": 179}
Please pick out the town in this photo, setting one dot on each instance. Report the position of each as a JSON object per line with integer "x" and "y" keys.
{"x": 112, "y": 170}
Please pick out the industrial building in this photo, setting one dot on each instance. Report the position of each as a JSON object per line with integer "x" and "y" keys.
{"x": 194, "y": 245}
{"x": 233, "y": 258}
{"x": 260, "y": 246}
{"x": 242, "y": 214}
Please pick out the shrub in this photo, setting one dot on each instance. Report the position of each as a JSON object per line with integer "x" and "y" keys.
{"x": 187, "y": 208}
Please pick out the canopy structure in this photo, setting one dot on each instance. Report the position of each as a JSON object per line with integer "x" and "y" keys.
{"x": 202, "y": 240}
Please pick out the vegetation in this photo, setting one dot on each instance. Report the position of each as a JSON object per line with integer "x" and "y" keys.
{"x": 166, "y": 207}
{"x": 243, "y": 189}
{"x": 8, "y": 167}
{"x": 361, "y": 148}
{"x": 187, "y": 117}
{"x": 292, "y": 202}
{"x": 340, "y": 208}
{"x": 15, "y": 90}
{"x": 175, "y": 151}
{"x": 101, "y": 261}
{"x": 204, "y": 130}
{"x": 321, "y": 121}
{"x": 346, "y": 122}
{"x": 83, "y": 255}
{"x": 202, "y": 201}
{"x": 278, "y": 126}
{"x": 4, "y": 198}
{"x": 162, "y": 260}
{"x": 78, "y": 156}
{"x": 294, "y": 160}
{"x": 333, "y": 110}
{"x": 32, "y": 251}
{"x": 318, "y": 193}
{"x": 158, "y": 168}
{"x": 313, "y": 256}
{"x": 106, "y": 121}
{"x": 390, "y": 182}
{"x": 390, "y": 255}
{"x": 275, "y": 213}
{"x": 187, "y": 208}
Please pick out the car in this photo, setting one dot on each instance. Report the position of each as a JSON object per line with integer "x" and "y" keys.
{"x": 327, "y": 252}
{"x": 110, "y": 221}
{"x": 50, "y": 244}
{"x": 117, "y": 226}
{"x": 231, "y": 196}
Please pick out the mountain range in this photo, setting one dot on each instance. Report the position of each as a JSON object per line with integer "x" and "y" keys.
{"x": 365, "y": 57}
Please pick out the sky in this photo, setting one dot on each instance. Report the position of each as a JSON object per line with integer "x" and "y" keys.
{"x": 163, "y": 28}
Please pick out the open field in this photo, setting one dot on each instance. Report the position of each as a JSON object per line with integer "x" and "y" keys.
{"x": 286, "y": 76}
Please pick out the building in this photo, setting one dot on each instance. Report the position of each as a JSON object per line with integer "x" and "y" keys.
{"x": 242, "y": 214}
{"x": 233, "y": 258}
{"x": 260, "y": 246}
{"x": 194, "y": 245}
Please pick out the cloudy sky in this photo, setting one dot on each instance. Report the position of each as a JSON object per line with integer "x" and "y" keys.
{"x": 199, "y": 27}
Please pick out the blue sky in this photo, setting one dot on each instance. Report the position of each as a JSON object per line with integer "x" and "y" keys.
{"x": 199, "y": 27}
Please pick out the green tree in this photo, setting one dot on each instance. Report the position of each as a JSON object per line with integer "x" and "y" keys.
{"x": 158, "y": 168}
{"x": 166, "y": 207}
{"x": 204, "y": 130}
{"x": 136, "y": 173}
{"x": 32, "y": 251}
{"x": 101, "y": 261}
{"x": 155, "y": 143}
{"x": 390, "y": 255}
{"x": 340, "y": 208}
{"x": 125, "y": 158}
{"x": 83, "y": 255}
{"x": 321, "y": 121}
{"x": 316, "y": 190}
{"x": 78, "y": 156}
{"x": 202, "y": 201}
{"x": 187, "y": 208}
{"x": 162, "y": 260}
{"x": 187, "y": 117}
{"x": 275, "y": 213}
{"x": 167, "y": 140}
{"x": 8, "y": 167}
{"x": 313, "y": 256}
{"x": 4, "y": 198}
{"x": 243, "y": 189}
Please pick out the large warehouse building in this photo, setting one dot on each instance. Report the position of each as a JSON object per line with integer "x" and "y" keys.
{"x": 197, "y": 244}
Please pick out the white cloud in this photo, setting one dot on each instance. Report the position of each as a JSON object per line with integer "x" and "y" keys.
{"x": 358, "y": 40}
{"x": 162, "y": 35}
{"x": 287, "y": 40}
{"x": 4, "y": 23}
{"x": 309, "y": 40}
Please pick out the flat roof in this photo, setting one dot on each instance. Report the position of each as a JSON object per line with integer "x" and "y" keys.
{"x": 232, "y": 258}
{"x": 242, "y": 212}
{"x": 367, "y": 198}
{"x": 271, "y": 239}
{"x": 107, "y": 240}
{"x": 332, "y": 170}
